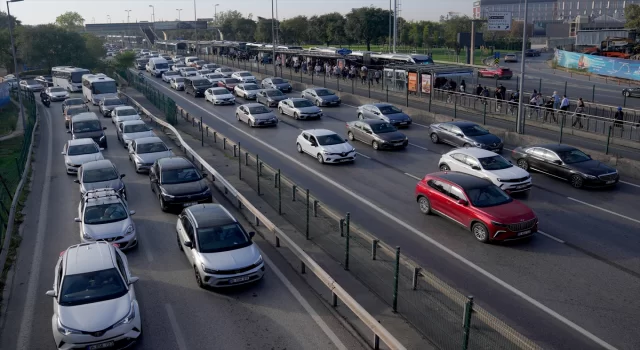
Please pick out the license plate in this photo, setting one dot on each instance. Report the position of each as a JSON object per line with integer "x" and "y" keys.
{"x": 521, "y": 186}
{"x": 189, "y": 204}
{"x": 524, "y": 233}
{"x": 398, "y": 144}
{"x": 403, "y": 123}
{"x": 105, "y": 345}
{"x": 610, "y": 182}
{"x": 333, "y": 103}
{"x": 239, "y": 279}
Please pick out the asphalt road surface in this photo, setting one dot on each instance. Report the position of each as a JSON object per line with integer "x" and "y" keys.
{"x": 176, "y": 313}
{"x": 583, "y": 265}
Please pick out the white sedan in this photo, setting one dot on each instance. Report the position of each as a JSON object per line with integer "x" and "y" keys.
{"x": 219, "y": 96}
{"x": 57, "y": 93}
{"x": 245, "y": 77}
{"x": 487, "y": 165}
{"x": 326, "y": 146}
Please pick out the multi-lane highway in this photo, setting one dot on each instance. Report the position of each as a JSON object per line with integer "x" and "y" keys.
{"x": 278, "y": 312}
{"x": 583, "y": 265}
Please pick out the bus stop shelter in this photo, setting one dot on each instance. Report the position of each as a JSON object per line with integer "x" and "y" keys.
{"x": 420, "y": 79}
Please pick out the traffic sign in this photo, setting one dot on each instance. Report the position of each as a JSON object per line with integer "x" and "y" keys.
{"x": 499, "y": 21}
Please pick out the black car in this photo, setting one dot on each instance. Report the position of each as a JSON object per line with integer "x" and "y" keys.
{"x": 631, "y": 92}
{"x": 196, "y": 86}
{"x": 178, "y": 183}
{"x": 465, "y": 134}
{"x": 73, "y": 102}
{"x": 566, "y": 163}
{"x": 531, "y": 53}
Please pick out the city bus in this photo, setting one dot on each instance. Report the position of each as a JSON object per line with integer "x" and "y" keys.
{"x": 69, "y": 78}
{"x": 95, "y": 87}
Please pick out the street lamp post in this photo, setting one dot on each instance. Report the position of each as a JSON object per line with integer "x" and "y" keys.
{"x": 178, "y": 14}
{"x": 215, "y": 13}
{"x": 153, "y": 13}
{"x": 128, "y": 25}
{"x": 15, "y": 61}
{"x": 195, "y": 24}
{"x": 273, "y": 39}
{"x": 109, "y": 18}
{"x": 520, "y": 120}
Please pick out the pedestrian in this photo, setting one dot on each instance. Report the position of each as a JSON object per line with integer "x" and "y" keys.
{"x": 377, "y": 76}
{"x": 479, "y": 90}
{"x": 556, "y": 100}
{"x": 578, "y": 113}
{"x": 564, "y": 104}
{"x": 363, "y": 74}
{"x": 503, "y": 91}
{"x": 463, "y": 86}
{"x": 548, "y": 109}
{"x": 619, "y": 117}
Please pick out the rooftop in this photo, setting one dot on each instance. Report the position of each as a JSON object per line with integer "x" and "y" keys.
{"x": 97, "y": 164}
{"x": 210, "y": 215}
{"x": 88, "y": 257}
{"x": 465, "y": 181}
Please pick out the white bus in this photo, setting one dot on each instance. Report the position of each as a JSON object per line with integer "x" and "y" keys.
{"x": 69, "y": 78}
{"x": 95, "y": 87}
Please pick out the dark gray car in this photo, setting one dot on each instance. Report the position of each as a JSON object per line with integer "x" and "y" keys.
{"x": 276, "y": 83}
{"x": 321, "y": 97}
{"x": 100, "y": 174}
{"x": 270, "y": 97}
{"x": 106, "y": 105}
{"x": 73, "y": 102}
{"x": 377, "y": 133}
{"x": 465, "y": 134}
{"x": 384, "y": 111}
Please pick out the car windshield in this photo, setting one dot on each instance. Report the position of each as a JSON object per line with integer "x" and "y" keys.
{"x": 488, "y": 196}
{"x": 74, "y": 111}
{"x": 273, "y": 93}
{"x": 389, "y": 110}
{"x": 222, "y": 238}
{"x": 244, "y": 74}
{"x": 496, "y": 162}
{"x": 220, "y": 92}
{"x": 135, "y": 128}
{"x": 201, "y": 82}
{"x": 104, "y": 87}
{"x": 152, "y": 147}
{"x": 162, "y": 65}
{"x": 226, "y": 70}
{"x": 573, "y": 156}
{"x": 86, "y": 126}
{"x": 99, "y": 175}
{"x": 190, "y": 69}
{"x": 32, "y": 82}
{"x": 231, "y": 81}
{"x": 91, "y": 287}
{"x": 170, "y": 73}
{"x": 382, "y": 128}
{"x": 57, "y": 90}
{"x": 181, "y": 175}
{"x": 278, "y": 81}
{"x": 74, "y": 102}
{"x": 126, "y": 111}
{"x": 78, "y": 150}
{"x": 328, "y": 140}
{"x": 180, "y": 65}
{"x": 251, "y": 87}
{"x": 112, "y": 102}
{"x": 179, "y": 80}
{"x": 259, "y": 110}
{"x": 302, "y": 104}
{"x": 474, "y": 130}
{"x": 104, "y": 213}
{"x": 324, "y": 92}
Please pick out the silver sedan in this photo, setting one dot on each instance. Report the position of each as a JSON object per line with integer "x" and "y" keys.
{"x": 299, "y": 108}
{"x": 321, "y": 97}
{"x": 256, "y": 114}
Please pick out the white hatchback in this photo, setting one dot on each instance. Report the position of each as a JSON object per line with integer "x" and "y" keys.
{"x": 326, "y": 146}
{"x": 487, "y": 165}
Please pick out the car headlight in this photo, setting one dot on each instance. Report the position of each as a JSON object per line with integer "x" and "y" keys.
{"x": 495, "y": 223}
{"x": 259, "y": 261}
{"x": 325, "y": 152}
{"x": 210, "y": 271}
{"x": 206, "y": 191}
{"x": 102, "y": 137}
{"x": 129, "y": 230}
{"x": 85, "y": 235}
{"x": 164, "y": 193}
{"x": 68, "y": 163}
{"x": 589, "y": 176}
{"x": 64, "y": 330}
{"x": 406, "y": 138}
{"x": 128, "y": 318}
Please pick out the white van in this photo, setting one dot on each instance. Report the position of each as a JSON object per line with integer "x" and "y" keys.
{"x": 157, "y": 66}
{"x": 190, "y": 61}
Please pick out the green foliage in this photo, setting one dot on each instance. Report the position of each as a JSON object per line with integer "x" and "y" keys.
{"x": 6, "y": 57}
{"x": 70, "y": 20}
{"x": 124, "y": 60}
{"x": 263, "y": 31}
{"x": 632, "y": 14}
{"x": 294, "y": 30}
{"x": 367, "y": 24}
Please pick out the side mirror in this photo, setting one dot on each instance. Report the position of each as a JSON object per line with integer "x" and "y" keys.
{"x": 77, "y": 220}
{"x": 459, "y": 135}
{"x": 101, "y": 149}
{"x": 132, "y": 212}
{"x": 122, "y": 175}
{"x": 588, "y": 155}
{"x": 188, "y": 244}
{"x": 51, "y": 293}
{"x": 346, "y": 140}
{"x": 511, "y": 162}
{"x": 68, "y": 131}
{"x": 475, "y": 167}
{"x": 252, "y": 234}
{"x": 76, "y": 181}
{"x": 63, "y": 153}
{"x": 169, "y": 148}
{"x": 462, "y": 202}
{"x": 205, "y": 174}
{"x": 558, "y": 162}
{"x": 133, "y": 280}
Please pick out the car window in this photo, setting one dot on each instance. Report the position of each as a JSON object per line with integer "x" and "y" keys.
{"x": 136, "y": 128}
{"x": 471, "y": 161}
{"x": 446, "y": 127}
{"x": 389, "y": 110}
{"x": 222, "y": 238}
{"x": 181, "y": 175}
{"x": 456, "y": 193}
{"x": 104, "y": 213}
{"x": 77, "y": 150}
{"x": 488, "y": 196}
{"x": 126, "y": 111}
{"x": 306, "y": 136}
{"x": 87, "y": 126}
{"x": 91, "y": 287}
{"x": 259, "y": 110}
{"x": 302, "y": 103}
{"x": 99, "y": 175}
{"x": 496, "y": 162}
{"x": 188, "y": 228}
{"x": 323, "y": 92}
{"x": 474, "y": 130}
{"x": 328, "y": 140}
{"x": 459, "y": 157}
{"x": 455, "y": 130}
{"x": 120, "y": 265}
{"x": 538, "y": 152}
{"x": 381, "y": 128}
{"x": 550, "y": 156}
{"x": 152, "y": 147}
{"x": 440, "y": 186}
{"x": 573, "y": 156}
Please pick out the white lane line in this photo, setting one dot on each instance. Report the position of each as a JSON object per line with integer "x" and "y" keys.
{"x": 413, "y": 176}
{"x": 305, "y": 304}
{"x": 605, "y": 210}
{"x": 422, "y": 125}
{"x": 412, "y": 229}
{"x": 348, "y": 105}
{"x": 175, "y": 327}
{"x": 630, "y": 184}
{"x": 414, "y": 145}
{"x": 25, "y": 332}
{"x": 551, "y": 237}
{"x": 362, "y": 155}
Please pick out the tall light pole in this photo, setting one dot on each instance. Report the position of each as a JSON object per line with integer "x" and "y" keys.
{"x": 273, "y": 39}
{"x": 395, "y": 24}
{"x": 520, "y": 121}
{"x": 128, "y": 25}
{"x": 277, "y": 40}
{"x": 195, "y": 24}
{"x": 109, "y": 18}
{"x": 178, "y": 14}
{"x": 215, "y": 13}
{"x": 15, "y": 61}
{"x": 153, "y": 13}
{"x": 390, "y": 14}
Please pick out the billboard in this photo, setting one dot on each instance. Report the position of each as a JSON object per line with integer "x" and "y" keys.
{"x": 607, "y": 66}
{"x": 413, "y": 82}
{"x": 179, "y": 25}
{"x": 426, "y": 83}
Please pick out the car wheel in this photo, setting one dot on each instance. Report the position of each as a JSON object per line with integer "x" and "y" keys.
{"x": 198, "y": 278}
{"x": 576, "y": 181}
{"x": 424, "y": 205}
{"x": 375, "y": 145}
{"x": 280, "y": 110}
{"x": 251, "y": 123}
{"x": 523, "y": 164}
{"x": 179, "y": 244}
{"x": 163, "y": 205}
{"x": 320, "y": 158}
{"x": 466, "y": 145}
{"x": 495, "y": 76}
{"x": 481, "y": 232}
{"x": 350, "y": 136}
{"x": 295, "y": 116}
{"x": 299, "y": 148}
{"x": 444, "y": 167}
{"x": 627, "y": 93}
{"x": 435, "y": 138}
{"x": 360, "y": 116}
{"x": 238, "y": 117}
{"x": 317, "y": 103}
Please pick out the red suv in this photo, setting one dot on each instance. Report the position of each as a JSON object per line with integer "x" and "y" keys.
{"x": 229, "y": 83}
{"x": 495, "y": 72}
{"x": 477, "y": 204}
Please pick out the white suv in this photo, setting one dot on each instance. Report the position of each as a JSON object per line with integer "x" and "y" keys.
{"x": 94, "y": 302}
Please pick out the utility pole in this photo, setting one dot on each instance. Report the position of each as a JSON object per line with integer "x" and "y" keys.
{"x": 390, "y": 21}
{"x": 277, "y": 26}
{"x": 520, "y": 121}
{"x": 178, "y": 14}
{"x": 128, "y": 26}
{"x": 395, "y": 24}
{"x": 195, "y": 25}
{"x": 153, "y": 13}
{"x": 273, "y": 38}
{"x": 15, "y": 63}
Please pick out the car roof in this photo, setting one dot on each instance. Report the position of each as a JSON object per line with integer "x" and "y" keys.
{"x": 474, "y": 151}
{"x": 247, "y": 84}
{"x": 133, "y": 122}
{"x": 150, "y": 139}
{"x": 84, "y": 116}
{"x": 253, "y": 104}
{"x": 318, "y": 132}
{"x": 373, "y": 121}
{"x": 111, "y": 98}
{"x": 174, "y": 162}
{"x": 74, "y": 98}
{"x": 382, "y": 104}
{"x": 459, "y": 124}
{"x": 218, "y": 88}
{"x": 82, "y": 141}
{"x": 243, "y": 71}
{"x": 97, "y": 164}
{"x": 294, "y": 99}
{"x": 119, "y": 108}
{"x": 553, "y": 147}
{"x": 88, "y": 257}
{"x": 463, "y": 180}
{"x": 210, "y": 215}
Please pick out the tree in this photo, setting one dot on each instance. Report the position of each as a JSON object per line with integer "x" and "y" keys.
{"x": 632, "y": 15}
{"x": 95, "y": 50}
{"x": 264, "y": 31}
{"x": 4, "y": 21}
{"x": 70, "y": 20}
{"x": 294, "y": 30}
{"x": 334, "y": 23}
{"x": 317, "y": 30}
{"x": 6, "y": 56}
{"x": 244, "y": 29}
{"x": 124, "y": 60}
{"x": 367, "y": 24}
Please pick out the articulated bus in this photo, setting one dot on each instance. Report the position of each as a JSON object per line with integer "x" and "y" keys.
{"x": 95, "y": 87}
{"x": 69, "y": 78}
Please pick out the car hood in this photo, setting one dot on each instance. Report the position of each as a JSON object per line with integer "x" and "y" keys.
{"x": 283, "y": 86}
{"x": 84, "y": 158}
{"x": 223, "y": 97}
{"x": 116, "y": 184}
{"x": 232, "y": 259}
{"x": 487, "y": 139}
{"x": 137, "y": 135}
{"x": 264, "y": 116}
{"x": 126, "y": 118}
{"x": 397, "y": 116}
{"x": 510, "y": 173}
{"x": 509, "y": 213}
{"x": 231, "y": 86}
{"x": 179, "y": 84}
{"x": 250, "y": 78}
{"x": 112, "y": 229}
{"x": 592, "y": 167}
{"x": 329, "y": 98}
{"x": 88, "y": 134}
{"x": 310, "y": 110}
{"x": 59, "y": 94}
{"x": 340, "y": 148}
{"x": 186, "y": 188}
{"x": 277, "y": 98}
{"x": 111, "y": 107}
{"x": 95, "y": 317}
{"x": 391, "y": 136}
{"x": 149, "y": 158}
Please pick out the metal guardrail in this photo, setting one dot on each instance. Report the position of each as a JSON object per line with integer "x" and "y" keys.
{"x": 379, "y": 331}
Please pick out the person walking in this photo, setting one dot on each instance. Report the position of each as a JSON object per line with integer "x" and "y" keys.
{"x": 578, "y": 113}
{"x": 564, "y": 105}
{"x": 619, "y": 117}
{"x": 377, "y": 76}
{"x": 463, "y": 86}
{"x": 503, "y": 91}
{"x": 548, "y": 109}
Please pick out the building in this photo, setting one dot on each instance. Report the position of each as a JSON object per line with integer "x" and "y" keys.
{"x": 539, "y": 10}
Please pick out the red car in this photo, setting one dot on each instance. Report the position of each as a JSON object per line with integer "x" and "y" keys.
{"x": 229, "y": 83}
{"x": 495, "y": 72}
{"x": 477, "y": 204}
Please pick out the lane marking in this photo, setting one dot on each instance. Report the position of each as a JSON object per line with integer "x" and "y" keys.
{"x": 410, "y": 228}
{"x": 422, "y": 125}
{"x": 605, "y": 210}
{"x": 305, "y": 304}
{"x": 413, "y": 176}
{"x": 25, "y": 332}
{"x": 362, "y": 155}
{"x": 551, "y": 237}
{"x": 630, "y": 184}
{"x": 414, "y": 145}
{"x": 175, "y": 327}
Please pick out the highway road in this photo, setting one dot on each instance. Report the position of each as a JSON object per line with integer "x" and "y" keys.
{"x": 280, "y": 312}
{"x": 584, "y": 265}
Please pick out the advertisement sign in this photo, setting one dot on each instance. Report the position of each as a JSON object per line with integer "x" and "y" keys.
{"x": 413, "y": 82}
{"x": 341, "y": 63}
{"x": 607, "y": 66}
{"x": 426, "y": 83}
{"x": 499, "y": 21}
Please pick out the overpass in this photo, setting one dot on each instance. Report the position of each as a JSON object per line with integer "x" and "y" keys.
{"x": 151, "y": 31}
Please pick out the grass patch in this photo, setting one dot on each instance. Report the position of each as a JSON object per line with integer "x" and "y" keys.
{"x": 8, "y": 118}
{"x": 9, "y": 151}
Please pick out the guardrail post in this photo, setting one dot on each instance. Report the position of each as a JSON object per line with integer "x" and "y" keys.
{"x": 279, "y": 192}
{"x": 608, "y": 140}
{"x": 346, "y": 246}
{"x": 293, "y": 193}
{"x": 565, "y": 87}
{"x": 193, "y": 122}
{"x": 257, "y": 221}
{"x": 215, "y": 137}
{"x": 307, "y": 230}
{"x": 396, "y": 278}
{"x": 334, "y": 299}
{"x": 387, "y": 93}
{"x": 624, "y": 103}
{"x": 324, "y": 80}
{"x": 303, "y": 268}
{"x": 260, "y": 169}
{"x": 484, "y": 115}
{"x": 416, "y": 274}
{"x": 466, "y": 322}
{"x": 430, "y": 98}
{"x": 374, "y": 249}
{"x": 234, "y": 150}
{"x": 207, "y": 131}
{"x": 258, "y": 172}
{"x": 201, "y": 133}
{"x": 224, "y": 143}
{"x": 407, "y": 95}
{"x": 353, "y": 85}
{"x": 562, "y": 120}
{"x": 593, "y": 93}
{"x": 341, "y": 223}
{"x": 540, "y": 86}
{"x": 455, "y": 108}
{"x": 277, "y": 241}
{"x": 315, "y": 208}
{"x": 376, "y": 342}
{"x": 239, "y": 161}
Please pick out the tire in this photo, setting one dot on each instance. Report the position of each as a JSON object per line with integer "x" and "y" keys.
{"x": 627, "y": 93}
{"x": 299, "y": 148}
{"x": 360, "y": 116}
{"x": 280, "y": 111}
{"x": 350, "y": 136}
{"x": 424, "y": 205}
{"x": 576, "y": 181}
{"x": 434, "y": 138}
{"x": 198, "y": 278}
{"x": 495, "y": 76}
{"x": 444, "y": 167}
{"x": 320, "y": 158}
{"x": 251, "y": 124}
{"x": 375, "y": 145}
{"x": 317, "y": 103}
{"x": 480, "y": 232}
{"x": 295, "y": 116}
{"x": 238, "y": 117}
{"x": 523, "y": 164}
{"x": 179, "y": 244}
{"x": 163, "y": 205}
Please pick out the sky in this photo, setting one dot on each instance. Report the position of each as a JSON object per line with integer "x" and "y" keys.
{"x": 97, "y": 11}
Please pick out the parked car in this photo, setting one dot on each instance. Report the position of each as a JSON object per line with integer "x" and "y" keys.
{"x": 99, "y": 174}
{"x": 219, "y": 96}
{"x": 384, "y": 111}
{"x": 108, "y": 104}
{"x": 87, "y": 125}
{"x": 104, "y": 215}
{"x": 214, "y": 78}
{"x": 476, "y": 204}
{"x": 566, "y": 163}
{"x": 248, "y": 91}
{"x": 143, "y": 152}
{"x": 73, "y": 111}
{"x": 79, "y": 151}
{"x": 531, "y": 53}
{"x": 487, "y": 165}
{"x": 178, "y": 183}
{"x": 510, "y": 57}
{"x": 299, "y": 108}
{"x": 177, "y": 83}
{"x": 178, "y": 66}
{"x": 321, "y": 97}
{"x": 326, "y": 146}
{"x": 57, "y": 93}
{"x": 229, "y": 83}
{"x": 45, "y": 80}
{"x": 188, "y": 72}
{"x": 124, "y": 113}
{"x": 211, "y": 66}
{"x": 91, "y": 315}
{"x": 276, "y": 83}
{"x": 270, "y": 97}
{"x": 166, "y": 76}
{"x": 495, "y": 72}
{"x": 465, "y": 134}
{"x": 255, "y": 114}
{"x": 196, "y": 86}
